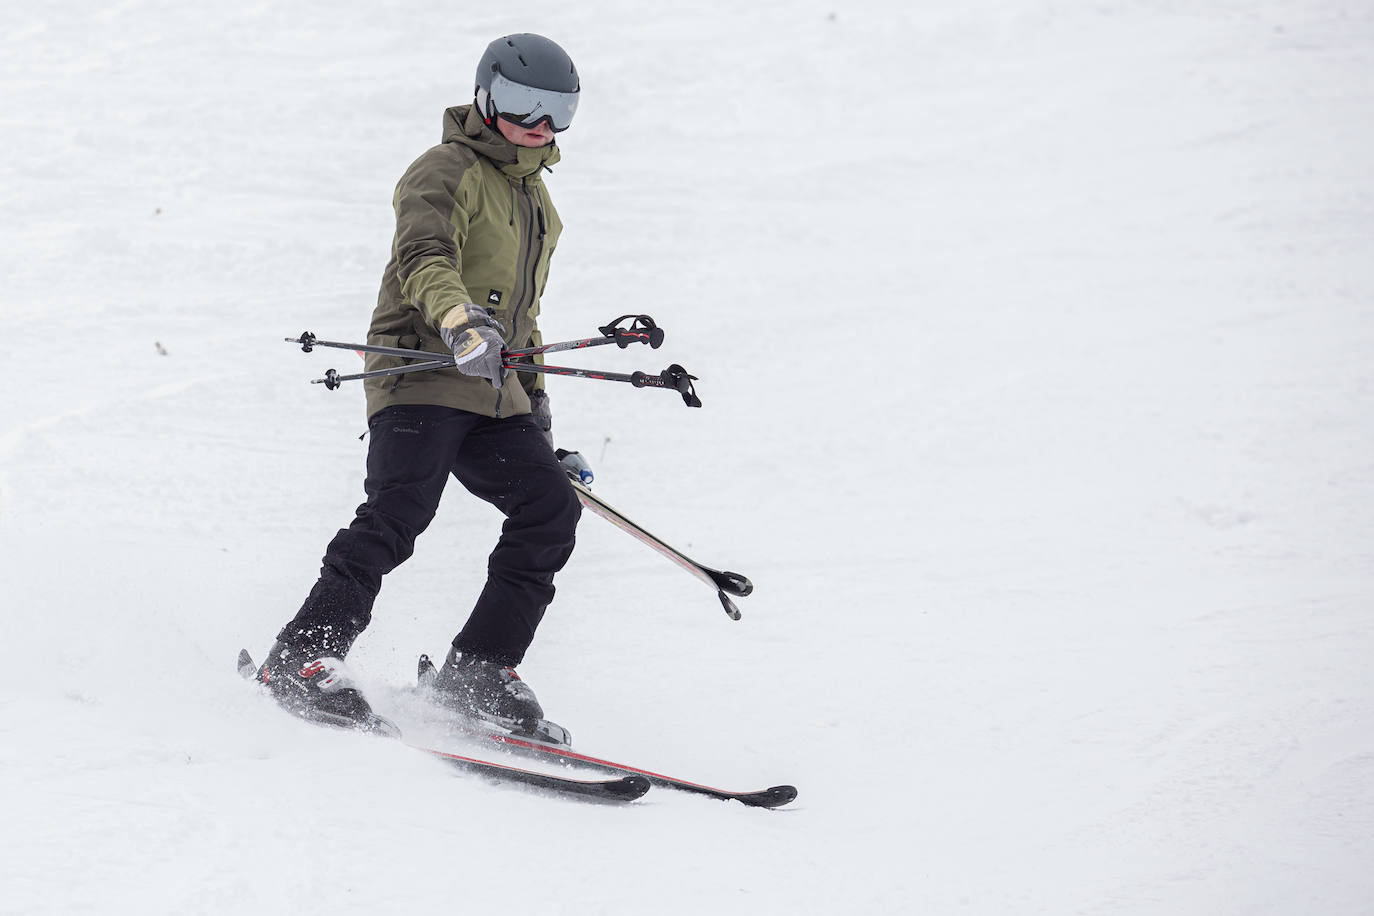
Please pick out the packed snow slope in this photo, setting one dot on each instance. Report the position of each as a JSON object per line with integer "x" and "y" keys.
{"x": 1036, "y": 341}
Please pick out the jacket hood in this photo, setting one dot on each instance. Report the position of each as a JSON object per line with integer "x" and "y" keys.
{"x": 462, "y": 124}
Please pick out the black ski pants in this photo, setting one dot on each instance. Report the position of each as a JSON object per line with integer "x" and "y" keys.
{"x": 413, "y": 449}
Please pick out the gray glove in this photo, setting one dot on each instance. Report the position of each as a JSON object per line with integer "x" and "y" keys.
{"x": 476, "y": 341}
{"x": 540, "y": 413}
{"x": 575, "y": 466}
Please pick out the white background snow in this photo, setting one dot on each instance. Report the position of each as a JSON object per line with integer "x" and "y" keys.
{"x": 1036, "y": 341}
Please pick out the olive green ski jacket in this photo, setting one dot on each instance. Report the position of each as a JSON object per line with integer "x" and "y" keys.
{"x": 474, "y": 224}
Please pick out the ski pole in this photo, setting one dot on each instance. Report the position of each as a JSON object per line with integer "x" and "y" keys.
{"x": 674, "y": 377}
{"x": 641, "y": 330}
{"x": 309, "y": 342}
{"x": 332, "y": 379}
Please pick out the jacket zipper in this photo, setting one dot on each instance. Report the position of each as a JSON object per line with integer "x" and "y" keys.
{"x": 527, "y": 262}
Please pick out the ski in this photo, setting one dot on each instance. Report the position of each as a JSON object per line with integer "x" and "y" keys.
{"x": 622, "y": 787}
{"x": 773, "y": 797}
{"x": 544, "y": 740}
{"x": 541, "y": 730}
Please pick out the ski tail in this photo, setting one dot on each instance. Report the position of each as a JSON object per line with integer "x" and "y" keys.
{"x": 247, "y": 670}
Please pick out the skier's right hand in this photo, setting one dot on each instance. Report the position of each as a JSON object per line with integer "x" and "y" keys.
{"x": 476, "y": 342}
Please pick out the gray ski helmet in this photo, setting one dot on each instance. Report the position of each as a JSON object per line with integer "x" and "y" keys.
{"x": 527, "y": 79}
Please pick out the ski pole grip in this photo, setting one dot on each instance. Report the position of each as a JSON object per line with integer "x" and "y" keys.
{"x": 641, "y": 330}
{"x": 674, "y": 378}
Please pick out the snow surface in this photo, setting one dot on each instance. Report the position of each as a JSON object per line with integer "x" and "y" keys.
{"x": 1035, "y": 340}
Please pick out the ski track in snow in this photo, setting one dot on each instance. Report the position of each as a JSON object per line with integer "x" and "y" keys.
{"x": 1034, "y": 345}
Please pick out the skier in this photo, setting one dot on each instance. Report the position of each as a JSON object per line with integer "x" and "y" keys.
{"x": 475, "y": 229}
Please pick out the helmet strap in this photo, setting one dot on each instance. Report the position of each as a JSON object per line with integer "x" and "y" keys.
{"x": 485, "y": 107}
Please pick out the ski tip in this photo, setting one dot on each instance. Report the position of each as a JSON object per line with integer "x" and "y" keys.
{"x": 246, "y": 667}
{"x": 730, "y": 610}
{"x": 735, "y": 584}
{"x": 628, "y": 788}
{"x": 774, "y": 797}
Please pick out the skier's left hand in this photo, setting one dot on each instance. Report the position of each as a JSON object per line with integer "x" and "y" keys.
{"x": 541, "y": 414}
{"x": 577, "y": 468}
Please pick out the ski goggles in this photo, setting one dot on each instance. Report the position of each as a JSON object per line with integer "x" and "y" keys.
{"x": 528, "y": 106}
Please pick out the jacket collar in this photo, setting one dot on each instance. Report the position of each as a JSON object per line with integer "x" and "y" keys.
{"x": 462, "y": 124}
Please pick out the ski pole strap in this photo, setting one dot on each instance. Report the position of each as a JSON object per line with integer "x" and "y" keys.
{"x": 642, "y": 329}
